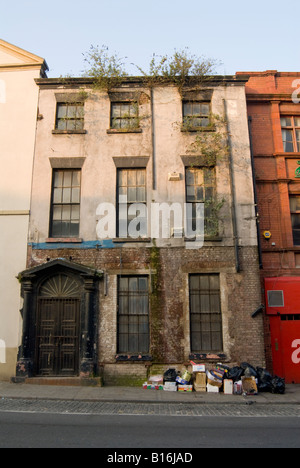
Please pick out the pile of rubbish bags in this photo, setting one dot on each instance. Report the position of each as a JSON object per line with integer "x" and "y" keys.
{"x": 244, "y": 379}
{"x": 265, "y": 381}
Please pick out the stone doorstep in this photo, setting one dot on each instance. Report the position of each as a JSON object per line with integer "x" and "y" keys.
{"x": 65, "y": 381}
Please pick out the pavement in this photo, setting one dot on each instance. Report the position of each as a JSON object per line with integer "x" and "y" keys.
{"x": 133, "y": 394}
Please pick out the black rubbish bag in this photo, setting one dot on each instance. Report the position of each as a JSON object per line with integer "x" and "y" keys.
{"x": 278, "y": 385}
{"x": 264, "y": 380}
{"x": 249, "y": 371}
{"x": 170, "y": 375}
{"x": 235, "y": 374}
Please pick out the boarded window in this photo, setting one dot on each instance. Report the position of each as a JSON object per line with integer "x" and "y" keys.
{"x": 205, "y": 313}
{"x": 133, "y": 314}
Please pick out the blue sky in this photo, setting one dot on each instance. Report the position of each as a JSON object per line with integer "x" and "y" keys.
{"x": 244, "y": 36}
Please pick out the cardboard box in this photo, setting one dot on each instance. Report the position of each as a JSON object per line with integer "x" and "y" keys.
{"x": 170, "y": 384}
{"x": 182, "y": 381}
{"x": 149, "y": 386}
{"x": 200, "y": 378}
{"x": 170, "y": 387}
{"x": 185, "y": 388}
{"x": 212, "y": 388}
{"x": 198, "y": 367}
{"x": 200, "y": 382}
{"x": 228, "y": 387}
{"x": 215, "y": 382}
{"x": 200, "y": 388}
{"x": 249, "y": 385}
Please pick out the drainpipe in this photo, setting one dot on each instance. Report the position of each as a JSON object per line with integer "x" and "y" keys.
{"x": 233, "y": 198}
{"x": 153, "y": 140}
{"x": 255, "y": 195}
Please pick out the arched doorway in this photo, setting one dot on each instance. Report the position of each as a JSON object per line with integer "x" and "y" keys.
{"x": 58, "y": 325}
{"x": 60, "y": 310}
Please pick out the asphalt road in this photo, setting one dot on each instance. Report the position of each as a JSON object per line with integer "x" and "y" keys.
{"x": 51, "y": 430}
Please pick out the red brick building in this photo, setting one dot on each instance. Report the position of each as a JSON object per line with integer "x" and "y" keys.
{"x": 274, "y": 125}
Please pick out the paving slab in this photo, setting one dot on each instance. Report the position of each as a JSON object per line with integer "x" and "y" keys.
{"x": 134, "y": 394}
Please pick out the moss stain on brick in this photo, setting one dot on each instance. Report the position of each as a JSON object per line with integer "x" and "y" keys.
{"x": 156, "y": 309}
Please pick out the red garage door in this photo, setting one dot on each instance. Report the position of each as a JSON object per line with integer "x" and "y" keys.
{"x": 283, "y": 308}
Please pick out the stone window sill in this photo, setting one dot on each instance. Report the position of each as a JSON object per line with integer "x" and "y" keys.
{"x": 198, "y": 129}
{"x": 69, "y": 132}
{"x": 112, "y": 131}
{"x": 206, "y": 239}
{"x": 219, "y": 357}
{"x": 122, "y": 240}
{"x": 133, "y": 358}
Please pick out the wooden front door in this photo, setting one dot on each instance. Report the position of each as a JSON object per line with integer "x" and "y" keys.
{"x": 57, "y": 339}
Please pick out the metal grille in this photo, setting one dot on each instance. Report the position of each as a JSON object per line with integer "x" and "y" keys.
{"x": 275, "y": 299}
{"x": 205, "y": 313}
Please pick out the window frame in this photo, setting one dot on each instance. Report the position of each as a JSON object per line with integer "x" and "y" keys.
{"x": 188, "y": 120}
{"x": 139, "y": 320}
{"x": 129, "y": 201}
{"x": 205, "y": 186}
{"x": 293, "y": 129}
{"x": 62, "y": 203}
{"x": 121, "y": 119}
{"x": 209, "y": 315}
{"x": 78, "y": 117}
{"x": 295, "y": 213}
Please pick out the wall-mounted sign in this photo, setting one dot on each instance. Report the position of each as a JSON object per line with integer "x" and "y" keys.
{"x": 297, "y": 172}
{"x": 267, "y": 235}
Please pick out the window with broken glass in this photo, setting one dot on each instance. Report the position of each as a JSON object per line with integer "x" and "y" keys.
{"x": 205, "y": 314}
{"x": 65, "y": 206}
{"x": 133, "y": 314}
{"x": 69, "y": 116}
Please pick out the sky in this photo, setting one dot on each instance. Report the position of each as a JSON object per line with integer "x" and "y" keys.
{"x": 256, "y": 35}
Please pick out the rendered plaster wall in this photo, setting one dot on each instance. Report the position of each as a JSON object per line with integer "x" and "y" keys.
{"x": 18, "y": 110}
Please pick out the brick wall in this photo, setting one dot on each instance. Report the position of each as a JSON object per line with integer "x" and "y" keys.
{"x": 269, "y": 94}
{"x": 169, "y": 322}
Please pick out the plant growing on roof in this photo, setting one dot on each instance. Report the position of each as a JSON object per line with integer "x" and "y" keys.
{"x": 178, "y": 68}
{"x": 106, "y": 69}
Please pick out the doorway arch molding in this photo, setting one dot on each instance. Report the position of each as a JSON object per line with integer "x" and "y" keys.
{"x": 56, "y": 279}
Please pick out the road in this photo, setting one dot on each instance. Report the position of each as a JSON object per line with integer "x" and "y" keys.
{"x": 46, "y": 424}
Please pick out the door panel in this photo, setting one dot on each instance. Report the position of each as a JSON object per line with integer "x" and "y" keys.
{"x": 290, "y": 339}
{"x": 58, "y": 337}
